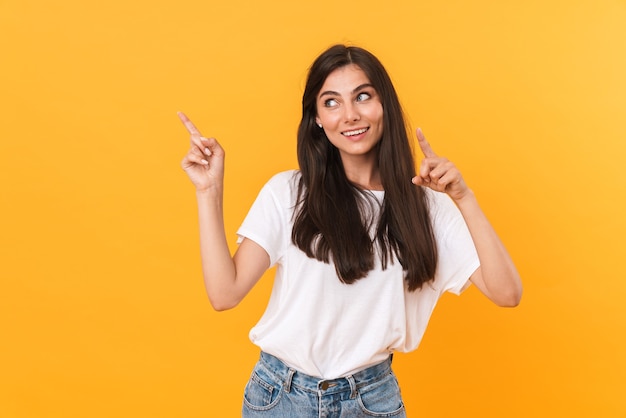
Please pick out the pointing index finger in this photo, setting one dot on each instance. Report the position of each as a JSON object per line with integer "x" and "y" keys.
{"x": 424, "y": 145}
{"x": 191, "y": 128}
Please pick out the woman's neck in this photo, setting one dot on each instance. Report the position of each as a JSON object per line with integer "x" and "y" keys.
{"x": 363, "y": 172}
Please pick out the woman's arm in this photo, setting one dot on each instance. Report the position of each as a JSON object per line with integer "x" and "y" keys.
{"x": 497, "y": 278}
{"x": 227, "y": 279}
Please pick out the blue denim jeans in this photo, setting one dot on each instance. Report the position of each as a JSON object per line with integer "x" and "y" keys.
{"x": 276, "y": 390}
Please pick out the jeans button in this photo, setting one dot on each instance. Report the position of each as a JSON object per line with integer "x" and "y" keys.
{"x": 324, "y": 385}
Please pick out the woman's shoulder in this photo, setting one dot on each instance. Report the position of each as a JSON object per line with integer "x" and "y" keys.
{"x": 283, "y": 186}
{"x": 441, "y": 207}
{"x": 436, "y": 198}
{"x": 284, "y": 180}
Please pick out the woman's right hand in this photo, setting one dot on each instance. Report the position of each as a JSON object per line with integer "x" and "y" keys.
{"x": 204, "y": 163}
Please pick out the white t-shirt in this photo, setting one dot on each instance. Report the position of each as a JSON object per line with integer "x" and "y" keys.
{"x": 323, "y": 327}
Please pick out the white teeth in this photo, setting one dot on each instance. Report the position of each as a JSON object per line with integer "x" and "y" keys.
{"x": 356, "y": 132}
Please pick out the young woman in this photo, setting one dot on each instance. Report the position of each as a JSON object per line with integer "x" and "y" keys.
{"x": 364, "y": 247}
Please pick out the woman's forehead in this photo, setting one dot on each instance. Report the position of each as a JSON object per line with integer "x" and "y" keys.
{"x": 345, "y": 79}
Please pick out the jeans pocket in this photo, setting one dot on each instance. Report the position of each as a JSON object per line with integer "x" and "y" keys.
{"x": 382, "y": 398}
{"x": 261, "y": 393}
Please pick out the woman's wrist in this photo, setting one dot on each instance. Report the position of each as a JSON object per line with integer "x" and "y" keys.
{"x": 209, "y": 192}
{"x": 468, "y": 199}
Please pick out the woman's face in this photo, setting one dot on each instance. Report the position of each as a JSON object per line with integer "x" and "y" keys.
{"x": 350, "y": 112}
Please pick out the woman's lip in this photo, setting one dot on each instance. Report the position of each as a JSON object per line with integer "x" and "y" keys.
{"x": 346, "y": 133}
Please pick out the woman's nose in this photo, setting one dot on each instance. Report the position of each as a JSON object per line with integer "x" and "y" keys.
{"x": 351, "y": 112}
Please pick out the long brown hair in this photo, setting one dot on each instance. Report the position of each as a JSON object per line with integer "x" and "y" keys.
{"x": 329, "y": 222}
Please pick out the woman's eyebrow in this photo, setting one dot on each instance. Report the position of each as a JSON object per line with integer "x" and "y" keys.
{"x": 361, "y": 87}
{"x": 334, "y": 93}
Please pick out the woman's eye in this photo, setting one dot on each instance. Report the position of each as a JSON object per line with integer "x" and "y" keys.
{"x": 362, "y": 96}
{"x": 330, "y": 103}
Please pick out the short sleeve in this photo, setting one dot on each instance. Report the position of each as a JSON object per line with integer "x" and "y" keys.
{"x": 458, "y": 259}
{"x": 268, "y": 220}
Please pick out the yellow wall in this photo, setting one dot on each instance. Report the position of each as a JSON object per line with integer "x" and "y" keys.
{"x": 102, "y": 307}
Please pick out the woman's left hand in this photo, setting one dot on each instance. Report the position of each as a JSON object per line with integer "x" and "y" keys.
{"x": 497, "y": 276}
{"x": 438, "y": 173}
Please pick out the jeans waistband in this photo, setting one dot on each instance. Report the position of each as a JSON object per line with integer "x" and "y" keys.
{"x": 292, "y": 377}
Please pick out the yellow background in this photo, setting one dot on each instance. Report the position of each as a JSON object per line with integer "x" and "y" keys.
{"x": 102, "y": 307}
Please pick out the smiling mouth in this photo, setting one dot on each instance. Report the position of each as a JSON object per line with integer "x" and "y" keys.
{"x": 355, "y": 132}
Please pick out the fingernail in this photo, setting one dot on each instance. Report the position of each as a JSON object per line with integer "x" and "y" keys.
{"x": 207, "y": 151}
{"x": 205, "y": 162}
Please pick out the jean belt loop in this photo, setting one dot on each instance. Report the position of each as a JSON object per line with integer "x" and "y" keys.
{"x": 290, "y": 374}
{"x": 352, "y": 383}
